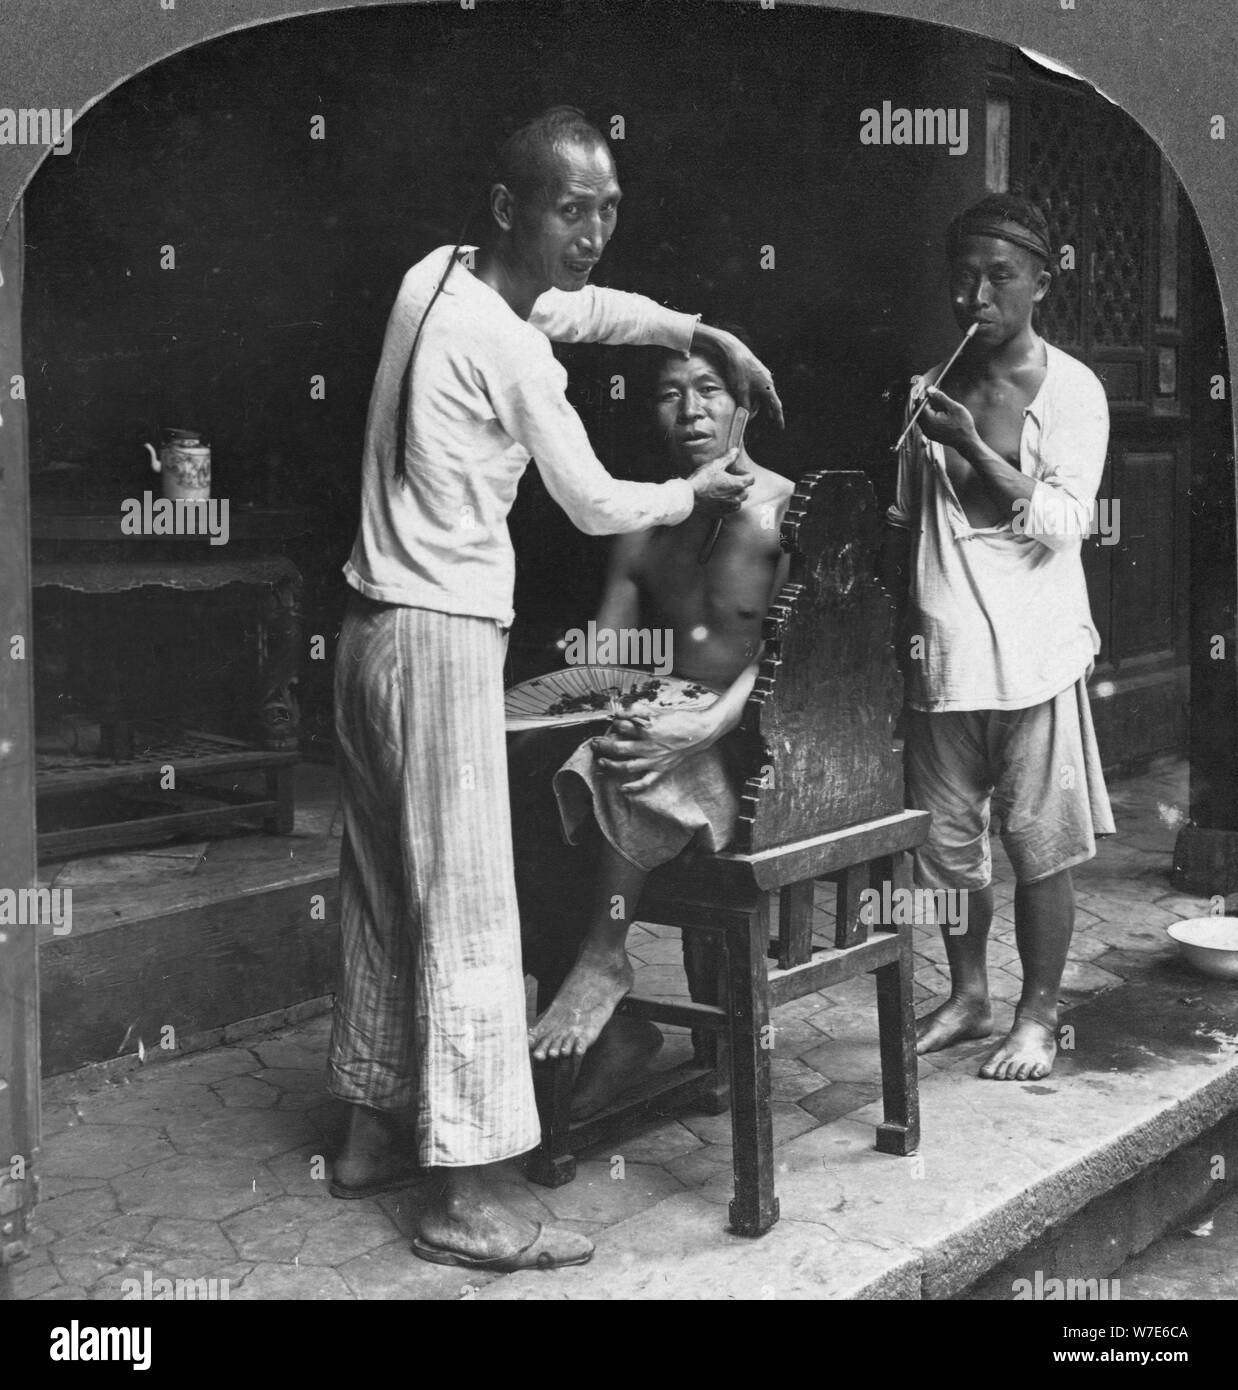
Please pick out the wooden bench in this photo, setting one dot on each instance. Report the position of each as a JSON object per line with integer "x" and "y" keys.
{"x": 823, "y": 799}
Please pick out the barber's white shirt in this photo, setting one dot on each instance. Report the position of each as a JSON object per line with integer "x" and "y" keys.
{"x": 488, "y": 394}
{"x": 1002, "y": 611}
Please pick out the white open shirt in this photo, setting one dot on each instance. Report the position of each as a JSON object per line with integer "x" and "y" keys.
{"x": 1003, "y": 612}
{"x": 488, "y": 394}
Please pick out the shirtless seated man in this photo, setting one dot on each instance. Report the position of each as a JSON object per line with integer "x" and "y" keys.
{"x": 656, "y": 782}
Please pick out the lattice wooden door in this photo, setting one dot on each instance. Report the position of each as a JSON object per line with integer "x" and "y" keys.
{"x": 1119, "y": 304}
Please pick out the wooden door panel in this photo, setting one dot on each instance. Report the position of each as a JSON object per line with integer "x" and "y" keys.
{"x": 1120, "y": 304}
{"x": 1145, "y": 484}
{"x": 1098, "y": 571}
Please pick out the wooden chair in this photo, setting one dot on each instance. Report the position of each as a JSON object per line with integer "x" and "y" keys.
{"x": 824, "y": 799}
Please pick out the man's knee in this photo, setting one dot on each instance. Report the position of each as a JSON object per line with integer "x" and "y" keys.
{"x": 959, "y": 865}
{"x": 1059, "y": 880}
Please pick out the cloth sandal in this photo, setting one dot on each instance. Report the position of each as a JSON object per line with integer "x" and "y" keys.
{"x": 538, "y": 1254}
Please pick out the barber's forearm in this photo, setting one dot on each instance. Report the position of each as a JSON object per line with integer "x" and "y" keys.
{"x": 618, "y": 318}
{"x": 623, "y": 506}
{"x": 638, "y": 321}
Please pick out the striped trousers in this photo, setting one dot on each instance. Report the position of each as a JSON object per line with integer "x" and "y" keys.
{"x": 430, "y": 1015}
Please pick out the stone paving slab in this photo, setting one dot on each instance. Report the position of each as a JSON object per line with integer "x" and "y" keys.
{"x": 998, "y": 1164}
{"x": 214, "y": 1165}
{"x": 679, "y": 1250}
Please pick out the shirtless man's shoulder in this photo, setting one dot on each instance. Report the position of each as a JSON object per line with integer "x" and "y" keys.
{"x": 770, "y": 484}
{"x": 767, "y": 501}
{"x": 762, "y": 510}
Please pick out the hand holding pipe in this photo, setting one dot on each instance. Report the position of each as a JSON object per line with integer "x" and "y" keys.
{"x": 940, "y": 379}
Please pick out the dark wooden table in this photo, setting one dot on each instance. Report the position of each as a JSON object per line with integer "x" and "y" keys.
{"x": 81, "y": 548}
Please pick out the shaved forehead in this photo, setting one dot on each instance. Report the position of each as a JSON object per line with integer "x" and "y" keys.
{"x": 535, "y": 160}
{"x": 572, "y": 166}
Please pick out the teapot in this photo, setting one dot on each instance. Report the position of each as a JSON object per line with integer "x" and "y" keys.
{"x": 184, "y": 463}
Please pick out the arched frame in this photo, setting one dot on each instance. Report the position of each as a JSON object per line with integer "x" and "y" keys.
{"x": 1168, "y": 65}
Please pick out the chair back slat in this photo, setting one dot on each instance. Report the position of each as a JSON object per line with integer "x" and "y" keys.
{"x": 821, "y": 716}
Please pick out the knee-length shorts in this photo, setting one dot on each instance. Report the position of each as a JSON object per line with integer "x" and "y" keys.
{"x": 1035, "y": 772}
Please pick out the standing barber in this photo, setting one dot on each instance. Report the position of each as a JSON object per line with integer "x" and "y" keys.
{"x": 429, "y": 1022}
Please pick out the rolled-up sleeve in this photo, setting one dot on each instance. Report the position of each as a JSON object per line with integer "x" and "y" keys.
{"x": 529, "y": 402}
{"x": 598, "y": 315}
{"x": 1074, "y": 437}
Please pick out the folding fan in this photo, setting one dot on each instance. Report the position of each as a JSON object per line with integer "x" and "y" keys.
{"x": 583, "y": 694}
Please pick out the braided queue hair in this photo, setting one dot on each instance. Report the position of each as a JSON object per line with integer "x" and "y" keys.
{"x": 523, "y": 163}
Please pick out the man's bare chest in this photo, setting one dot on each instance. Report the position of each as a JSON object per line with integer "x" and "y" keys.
{"x": 998, "y": 410}
{"x": 732, "y": 587}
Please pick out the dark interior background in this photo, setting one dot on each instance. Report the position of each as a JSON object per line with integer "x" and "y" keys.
{"x": 741, "y": 131}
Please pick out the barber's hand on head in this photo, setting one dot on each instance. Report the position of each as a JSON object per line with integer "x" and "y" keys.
{"x": 946, "y": 421}
{"x": 719, "y": 493}
{"x": 753, "y": 380}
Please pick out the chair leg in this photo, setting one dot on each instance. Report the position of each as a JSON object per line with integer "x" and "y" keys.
{"x": 795, "y": 908}
{"x": 896, "y": 1025}
{"x": 754, "y": 1208}
{"x": 552, "y": 1163}
{"x": 849, "y": 926}
{"x": 704, "y": 965}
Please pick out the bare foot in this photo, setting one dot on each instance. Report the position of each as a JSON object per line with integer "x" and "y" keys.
{"x": 583, "y": 1005}
{"x": 1026, "y": 1053}
{"x": 958, "y": 1020}
{"x": 617, "y": 1061}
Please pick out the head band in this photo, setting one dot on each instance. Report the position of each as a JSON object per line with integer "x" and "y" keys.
{"x": 1004, "y": 231}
